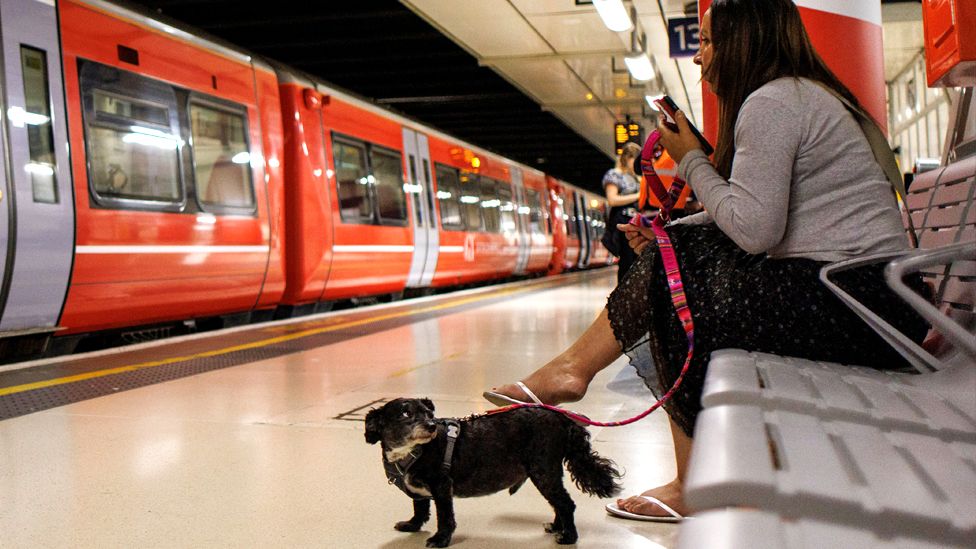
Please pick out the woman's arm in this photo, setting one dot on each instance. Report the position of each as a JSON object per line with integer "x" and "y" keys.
{"x": 752, "y": 206}
{"x": 614, "y": 198}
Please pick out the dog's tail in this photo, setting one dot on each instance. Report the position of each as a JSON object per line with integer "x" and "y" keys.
{"x": 592, "y": 473}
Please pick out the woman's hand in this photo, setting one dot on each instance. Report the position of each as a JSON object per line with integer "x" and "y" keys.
{"x": 681, "y": 142}
{"x": 638, "y": 238}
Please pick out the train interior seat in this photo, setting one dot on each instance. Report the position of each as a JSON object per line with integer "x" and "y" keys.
{"x": 226, "y": 186}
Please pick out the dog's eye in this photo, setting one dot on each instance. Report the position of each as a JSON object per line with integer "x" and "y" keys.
{"x": 405, "y": 414}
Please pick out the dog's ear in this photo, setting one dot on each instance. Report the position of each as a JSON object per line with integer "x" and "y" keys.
{"x": 373, "y": 433}
{"x": 428, "y": 404}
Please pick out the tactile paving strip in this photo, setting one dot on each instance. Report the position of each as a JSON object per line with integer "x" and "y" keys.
{"x": 27, "y": 402}
{"x": 35, "y": 400}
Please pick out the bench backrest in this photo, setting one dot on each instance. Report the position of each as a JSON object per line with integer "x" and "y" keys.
{"x": 941, "y": 205}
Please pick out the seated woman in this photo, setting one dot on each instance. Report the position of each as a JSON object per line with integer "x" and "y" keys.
{"x": 794, "y": 185}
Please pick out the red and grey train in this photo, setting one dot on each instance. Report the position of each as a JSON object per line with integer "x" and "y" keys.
{"x": 155, "y": 178}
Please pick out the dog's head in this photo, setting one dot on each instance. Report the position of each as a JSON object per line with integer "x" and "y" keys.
{"x": 402, "y": 424}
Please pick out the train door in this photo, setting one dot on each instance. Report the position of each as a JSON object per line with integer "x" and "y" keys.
{"x": 583, "y": 225}
{"x": 522, "y": 226}
{"x": 37, "y": 225}
{"x": 421, "y": 191}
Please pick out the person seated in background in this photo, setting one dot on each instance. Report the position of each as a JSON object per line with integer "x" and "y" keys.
{"x": 793, "y": 186}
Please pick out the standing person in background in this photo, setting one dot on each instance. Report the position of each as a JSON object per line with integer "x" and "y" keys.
{"x": 622, "y": 188}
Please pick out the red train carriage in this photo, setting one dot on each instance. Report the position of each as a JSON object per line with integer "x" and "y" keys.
{"x": 378, "y": 204}
{"x": 178, "y": 189}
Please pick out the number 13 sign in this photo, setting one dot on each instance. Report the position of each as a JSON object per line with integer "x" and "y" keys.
{"x": 683, "y": 34}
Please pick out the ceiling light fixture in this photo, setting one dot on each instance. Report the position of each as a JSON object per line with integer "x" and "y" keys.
{"x": 613, "y": 14}
{"x": 639, "y": 66}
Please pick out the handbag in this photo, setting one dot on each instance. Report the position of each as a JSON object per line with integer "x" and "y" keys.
{"x": 613, "y": 239}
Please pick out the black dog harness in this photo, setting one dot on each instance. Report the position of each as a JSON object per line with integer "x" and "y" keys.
{"x": 396, "y": 471}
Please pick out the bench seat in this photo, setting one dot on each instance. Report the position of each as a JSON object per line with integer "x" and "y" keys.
{"x": 755, "y": 529}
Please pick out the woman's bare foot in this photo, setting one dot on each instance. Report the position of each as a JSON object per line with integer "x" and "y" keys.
{"x": 554, "y": 383}
{"x": 670, "y": 494}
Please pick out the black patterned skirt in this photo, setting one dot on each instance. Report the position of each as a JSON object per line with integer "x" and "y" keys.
{"x": 744, "y": 301}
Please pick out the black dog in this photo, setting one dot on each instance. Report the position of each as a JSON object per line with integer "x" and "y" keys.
{"x": 438, "y": 459}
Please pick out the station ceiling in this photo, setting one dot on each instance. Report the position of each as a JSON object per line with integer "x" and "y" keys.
{"x": 387, "y": 51}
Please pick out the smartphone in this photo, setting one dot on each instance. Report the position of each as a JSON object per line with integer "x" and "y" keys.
{"x": 667, "y": 106}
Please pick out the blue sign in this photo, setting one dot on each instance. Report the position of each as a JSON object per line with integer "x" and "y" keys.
{"x": 683, "y": 35}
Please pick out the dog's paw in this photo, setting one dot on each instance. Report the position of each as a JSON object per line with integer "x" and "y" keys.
{"x": 408, "y": 526}
{"x": 566, "y": 538}
{"x": 439, "y": 540}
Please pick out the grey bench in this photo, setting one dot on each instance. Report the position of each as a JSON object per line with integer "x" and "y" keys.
{"x": 795, "y": 453}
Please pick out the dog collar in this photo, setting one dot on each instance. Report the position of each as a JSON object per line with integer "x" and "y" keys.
{"x": 396, "y": 471}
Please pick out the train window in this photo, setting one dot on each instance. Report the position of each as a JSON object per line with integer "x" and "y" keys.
{"x": 40, "y": 136}
{"x": 387, "y": 179}
{"x": 506, "y": 208}
{"x": 221, "y": 161}
{"x": 353, "y": 181}
{"x": 598, "y": 224}
{"x": 133, "y": 139}
{"x": 572, "y": 213}
{"x": 430, "y": 196}
{"x": 107, "y": 104}
{"x": 471, "y": 201}
{"x": 536, "y": 218}
{"x": 489, "y": 205}
{"x": 448, "y": 193}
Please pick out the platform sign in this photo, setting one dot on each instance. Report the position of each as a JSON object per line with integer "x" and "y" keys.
{"x": 625, "y": 132}
{"x": 683, "y": 36}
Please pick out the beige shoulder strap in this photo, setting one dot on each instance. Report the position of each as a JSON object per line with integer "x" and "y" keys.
{"x": 882, "y": 153}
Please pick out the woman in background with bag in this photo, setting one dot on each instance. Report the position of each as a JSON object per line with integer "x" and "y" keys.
{"x": 622, "y": 188}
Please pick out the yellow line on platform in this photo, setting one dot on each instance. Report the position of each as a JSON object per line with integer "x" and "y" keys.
{"x": 262, "y": 343}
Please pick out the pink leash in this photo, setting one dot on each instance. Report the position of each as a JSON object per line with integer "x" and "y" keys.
{"x": 668, "y": 198}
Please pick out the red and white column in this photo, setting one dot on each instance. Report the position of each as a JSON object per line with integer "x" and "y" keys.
{"x": 847, "y": 35}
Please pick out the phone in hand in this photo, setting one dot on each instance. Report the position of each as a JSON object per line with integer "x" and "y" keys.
{"x": 668, "y": 108}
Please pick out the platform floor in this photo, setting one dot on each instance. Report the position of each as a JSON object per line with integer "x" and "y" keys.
{"x": 270, "y": 452}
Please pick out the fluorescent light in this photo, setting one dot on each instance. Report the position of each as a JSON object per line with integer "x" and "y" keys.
{"x": 165, "y": 143}
{"x": 18, "y": 117}
{"x": 241, "y": 158}
{"x": 613, "y": 14}
{"x": 39, "y": 169}
{"x": 639, "y": 66}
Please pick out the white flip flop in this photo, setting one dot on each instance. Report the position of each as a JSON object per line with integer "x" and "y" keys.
{"x": 499, "y": 399}
{"x": 616, "y": 511}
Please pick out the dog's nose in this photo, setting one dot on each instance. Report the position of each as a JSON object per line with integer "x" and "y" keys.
{"x": 431, "y": 425}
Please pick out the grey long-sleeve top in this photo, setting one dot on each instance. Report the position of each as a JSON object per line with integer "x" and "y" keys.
{"x": 804, "y": 182}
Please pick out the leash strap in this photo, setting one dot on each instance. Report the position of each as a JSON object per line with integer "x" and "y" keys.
{"x": 668, "y": 198}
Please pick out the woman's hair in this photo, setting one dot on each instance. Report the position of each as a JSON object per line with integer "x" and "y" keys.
{"x": 755, "y": 42}
{"x": 630, "y": 150}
